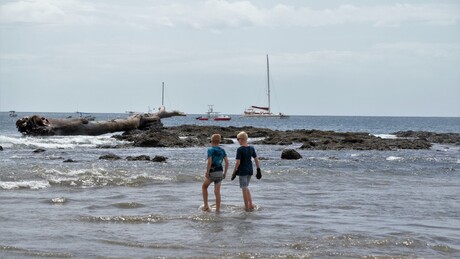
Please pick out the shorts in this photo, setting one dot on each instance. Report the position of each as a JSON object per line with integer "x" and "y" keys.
{"x": 216, "y": 177}
{"x": 244, "y": 181}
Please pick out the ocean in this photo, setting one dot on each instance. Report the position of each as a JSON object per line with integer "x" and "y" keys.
{"x": 329, "y": 204}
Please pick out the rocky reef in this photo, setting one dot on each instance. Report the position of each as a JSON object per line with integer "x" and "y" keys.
{"x": 193, "y": 135}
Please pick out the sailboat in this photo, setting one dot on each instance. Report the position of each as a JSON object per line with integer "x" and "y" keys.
{"x": 264, "y": 111}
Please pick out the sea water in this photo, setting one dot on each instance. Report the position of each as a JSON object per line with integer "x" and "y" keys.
{"x": 342, "y": 204}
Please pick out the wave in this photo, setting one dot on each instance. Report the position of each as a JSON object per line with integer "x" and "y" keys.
{"x": 128, "y": 205}
{"x": 14, "y": 250}
{"x": 94, "y": 177}
{"x": 33, "y": 185}
{"x": 394, "y": 158}
{"x": 351, "y": 240}
{"x": 60, "y": 142}
{"x": 386, "y": 136}
{"x": 125, "y": 219}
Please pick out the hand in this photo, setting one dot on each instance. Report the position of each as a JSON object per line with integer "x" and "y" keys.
{"x": 233, "y": 176}
{"x": 225, "y": 174}
{"x": 259, "y": 173}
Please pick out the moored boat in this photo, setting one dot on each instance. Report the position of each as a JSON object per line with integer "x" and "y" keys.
{"x": 264, "y": 111}
{"x": 212, "y": 115}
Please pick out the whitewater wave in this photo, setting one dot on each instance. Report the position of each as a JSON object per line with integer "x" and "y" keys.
{"x": 56, "y": 142}
{"x": 34, "y": 185}
{"x": 394, "y": 158}
{"x": 386, "y": 136}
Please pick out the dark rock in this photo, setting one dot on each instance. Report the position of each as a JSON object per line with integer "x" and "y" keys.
{"x": 69, "y": 161}
{"x": 432, "y": 137}
{"x": 159, "y": 159}
{"x": 39, "y": 150}
{"x": 1, "y": 148}
{"x": 110, "y": 157}
{"x": 138, "y": 158}
{"x": 290, "y": 154}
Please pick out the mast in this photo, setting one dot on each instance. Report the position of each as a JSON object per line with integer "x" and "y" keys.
{"x": 163, "y": 94}
{"x": 268, "y": 85}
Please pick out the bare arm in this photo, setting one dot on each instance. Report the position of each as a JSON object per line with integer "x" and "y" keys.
{"x": 208, "y": 167}
{"x": 256, "y": 160}
{"x": 226, "y": 166}
{"x": 237, "y": 164}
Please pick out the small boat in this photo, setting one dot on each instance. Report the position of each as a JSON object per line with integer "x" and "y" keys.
{"x": 13, "y": 114}
{"x": 86, "y": 116}
{"x": 222, "y": 118}
{"x": 264, "y": 111}
{"x": 202, "y": 118}
{"x": 212, "y": 115}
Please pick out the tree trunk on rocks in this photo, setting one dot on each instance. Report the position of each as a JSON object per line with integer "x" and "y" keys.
{"x": 41, "y": 126}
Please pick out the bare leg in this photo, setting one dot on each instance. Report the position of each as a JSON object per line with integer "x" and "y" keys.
{"x": 247, "y": 199}
{"x": 204, "y": 190}
{"x": 217, "y": 193}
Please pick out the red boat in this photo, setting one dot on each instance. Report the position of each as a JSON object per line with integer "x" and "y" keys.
{"x": 212, "y": 115}
{"x": 222, "y": 118}
{"x": 201, "y": 118}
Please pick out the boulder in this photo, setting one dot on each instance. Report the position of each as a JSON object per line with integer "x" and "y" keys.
{"x": 110, "y": 157}
{"x": 290, "y": 154}
{"x": 69, "y": 161}
{"x": 138, "y": 158}
{"x": 159, "y": 159}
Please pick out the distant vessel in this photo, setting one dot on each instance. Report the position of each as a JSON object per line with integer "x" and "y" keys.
{"x": 264, "y": 111}
{"x": 85, "y": 115}
{"x": 212, "y": 115}
{"x": 13, "y": 114}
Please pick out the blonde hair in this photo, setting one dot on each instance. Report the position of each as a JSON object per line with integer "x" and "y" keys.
{"x": 215, "y": 138}
{"x": 242, "y": 135}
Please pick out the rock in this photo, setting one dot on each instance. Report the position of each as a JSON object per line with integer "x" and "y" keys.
{"x": 194, "y": 135}
{"x": 110, "y": 157}
{"x": 69, "y": 161}
{"x": 290, "y": 154}
{"x": 39, "y": 150}
{"x": 432, "y": 137}
{"x": 138, "y": 158}
{"x": 159, "y": 159}
{"x": 1, "y": 148}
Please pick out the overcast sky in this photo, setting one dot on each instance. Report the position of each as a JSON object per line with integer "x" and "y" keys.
{"x": 349, "y": 57}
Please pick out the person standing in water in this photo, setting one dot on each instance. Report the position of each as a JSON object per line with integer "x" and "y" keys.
{"x": 244, "y": 169}
{"x": 214, "y": 171}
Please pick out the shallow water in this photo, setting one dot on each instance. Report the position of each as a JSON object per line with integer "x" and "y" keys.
{"x": 343, "y": 204}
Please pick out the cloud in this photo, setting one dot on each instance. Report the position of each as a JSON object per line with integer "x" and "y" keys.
{"x": 45, "y": 12}
{"x": 430, "y": 51}
{"x": 219, "y": 14}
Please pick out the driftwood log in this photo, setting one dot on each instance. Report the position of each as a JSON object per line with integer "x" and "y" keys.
{"x": 41, "y": 126}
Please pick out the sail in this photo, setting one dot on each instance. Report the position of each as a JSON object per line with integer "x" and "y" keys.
{"x": 260, "y": 108}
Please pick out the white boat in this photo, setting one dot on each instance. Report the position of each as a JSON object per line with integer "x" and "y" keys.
{"x": 212, "y": 115}
{"x": 264, "y": 111}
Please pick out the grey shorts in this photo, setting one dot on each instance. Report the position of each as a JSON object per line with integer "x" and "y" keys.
{"x": 216, "y": 177}
{"x": 244, "y": 181}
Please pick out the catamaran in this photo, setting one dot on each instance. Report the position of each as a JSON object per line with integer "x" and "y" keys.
{"x": 264, "y": 111}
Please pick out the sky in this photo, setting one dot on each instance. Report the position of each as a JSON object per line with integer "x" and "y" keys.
{"x": 329, "y": 57}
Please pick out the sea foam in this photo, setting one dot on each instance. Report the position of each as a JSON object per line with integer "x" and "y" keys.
{"x": 34, "y": 185}
{"x": 55, "y": 142}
